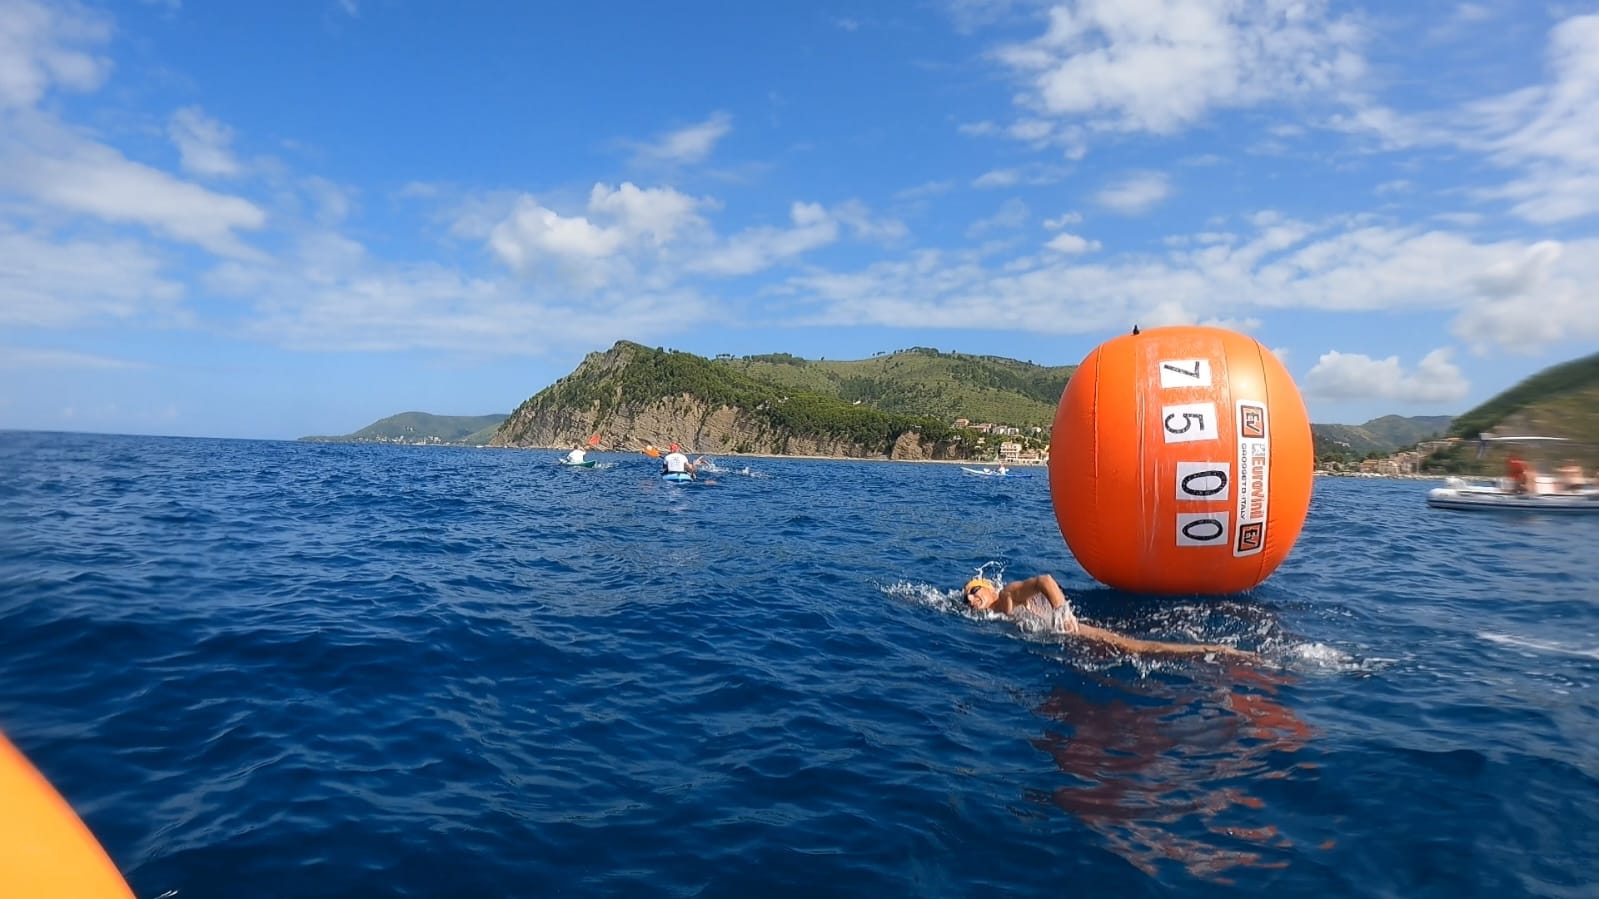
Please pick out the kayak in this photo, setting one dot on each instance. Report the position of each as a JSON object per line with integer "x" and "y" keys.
{"x": 45, "y": 849}
{"x": 591, "y": 463}
{"x": 677, "y": 477}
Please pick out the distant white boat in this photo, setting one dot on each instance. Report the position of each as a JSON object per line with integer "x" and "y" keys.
{"x": 1460, "y": 494}
{"x": 1531, "y": 492}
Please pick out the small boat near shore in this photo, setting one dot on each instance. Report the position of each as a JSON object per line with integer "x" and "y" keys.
{"x": 994, "y": 472}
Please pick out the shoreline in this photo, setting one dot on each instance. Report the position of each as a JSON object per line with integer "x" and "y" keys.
{"x": 1319, "y": 472}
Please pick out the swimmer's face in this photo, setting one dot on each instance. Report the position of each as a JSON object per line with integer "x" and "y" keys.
{"x": 980, "y": 596}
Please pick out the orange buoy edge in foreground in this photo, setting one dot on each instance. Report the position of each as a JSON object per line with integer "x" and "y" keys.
{"x": 1181, "y": 461}
{"x": 46, "y": 852}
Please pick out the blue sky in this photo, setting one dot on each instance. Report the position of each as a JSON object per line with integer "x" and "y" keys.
{"x": 279, "y": 219}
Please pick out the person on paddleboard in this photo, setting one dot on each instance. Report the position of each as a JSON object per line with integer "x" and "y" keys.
{"x": 1041, "y": 597}
{"x": 674, "y": 462}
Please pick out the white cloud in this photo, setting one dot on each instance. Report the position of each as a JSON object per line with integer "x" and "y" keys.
{"x": 534, "y": 233}
{"x": 615, "y": 221}
{"x": 997, "y": 178}
{"x": 1509, "y": 295}
{"x": 55, "y": 167}
{"x": 1030, "y": 130}
{"x": 50, "y": 282}
{"x": 658, "y": 236}
{"x": 331, "y": 202}
{"x": 427, "y": 307}
{"x": 1071, "y": 244}
{"x": 328, "y": 293}
{"x": 1136, "y": 193}
{"x": 1525, "y": 298}
{"x": 924, "y": 191}
{"x": 202, "y": 143}
{"x": 1010, "y": 215}
{"x": 1549, "y": 133}
{"x": 49, "y": 45}
{"x": 1515, "y": 276}
{"x": 1460, "y": 22}
{"x": 1162, "y": 65}
{"x": 857, "y": 216}
{"x": 1062, "y": 220}
{"x": 21, "y": 358}
{"x": 1034, "y": 175}
{"x": 657, "y": 213}
{"x": 1351, "y": 376}
{"x": 689, "y": 145}
{"x": 758, "y": 248}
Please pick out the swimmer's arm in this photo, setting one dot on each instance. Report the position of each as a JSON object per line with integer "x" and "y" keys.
{"x": 1017, "y": 593}
{"x": 1157, "y": 647}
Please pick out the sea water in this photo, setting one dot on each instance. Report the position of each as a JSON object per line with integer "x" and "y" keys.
{"x": 277, "y": 669}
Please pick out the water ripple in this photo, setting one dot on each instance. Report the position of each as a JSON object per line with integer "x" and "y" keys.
{"x": 268, "y": 669}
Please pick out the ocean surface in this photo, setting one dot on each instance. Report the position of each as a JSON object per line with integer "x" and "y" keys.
{"x": 278, "y": 669}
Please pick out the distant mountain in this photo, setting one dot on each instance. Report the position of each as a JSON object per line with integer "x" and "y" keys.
{"x": 923, "y": 381}
{"x": 632, "y": 395}
{"x": 422, "y": 428}
{"x": 901, "y": 405}
{"x": 1380, "y": 435}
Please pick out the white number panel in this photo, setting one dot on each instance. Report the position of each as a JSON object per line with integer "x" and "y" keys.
{"x": 1199, "y": 481}
{"x": 1202, "y": 529}
{"x": 1188, "y": 422}
{"x": 1184, "y": 373}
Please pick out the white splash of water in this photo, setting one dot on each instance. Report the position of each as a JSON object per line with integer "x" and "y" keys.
{"x": 1548, "y": 646}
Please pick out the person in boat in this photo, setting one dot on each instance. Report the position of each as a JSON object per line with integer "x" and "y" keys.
{"x": 1002, "y": 469}
{"x": 1571, "y": 478}
{"x": 674, "y": 462}
{"x": 1520, "y": 475}
{"x": 1040, "y": 596}
{"x": 576, "y": 456}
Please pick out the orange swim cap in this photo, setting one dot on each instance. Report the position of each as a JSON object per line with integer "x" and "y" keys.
{"x": 978, "y": 582}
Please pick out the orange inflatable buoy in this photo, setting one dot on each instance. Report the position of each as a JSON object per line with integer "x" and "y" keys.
{"x": 1181, "y": 461}
{"x": 46, "y": 852}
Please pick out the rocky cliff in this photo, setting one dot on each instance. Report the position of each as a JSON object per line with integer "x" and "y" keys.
{"x": 602, "y": 396}
{"x": 698, "y": 426}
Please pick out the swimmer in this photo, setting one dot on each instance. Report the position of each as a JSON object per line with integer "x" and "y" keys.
{"x": 1030, "y": 596}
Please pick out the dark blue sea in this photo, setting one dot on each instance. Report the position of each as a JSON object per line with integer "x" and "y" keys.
{"x": 277, "y": 669}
